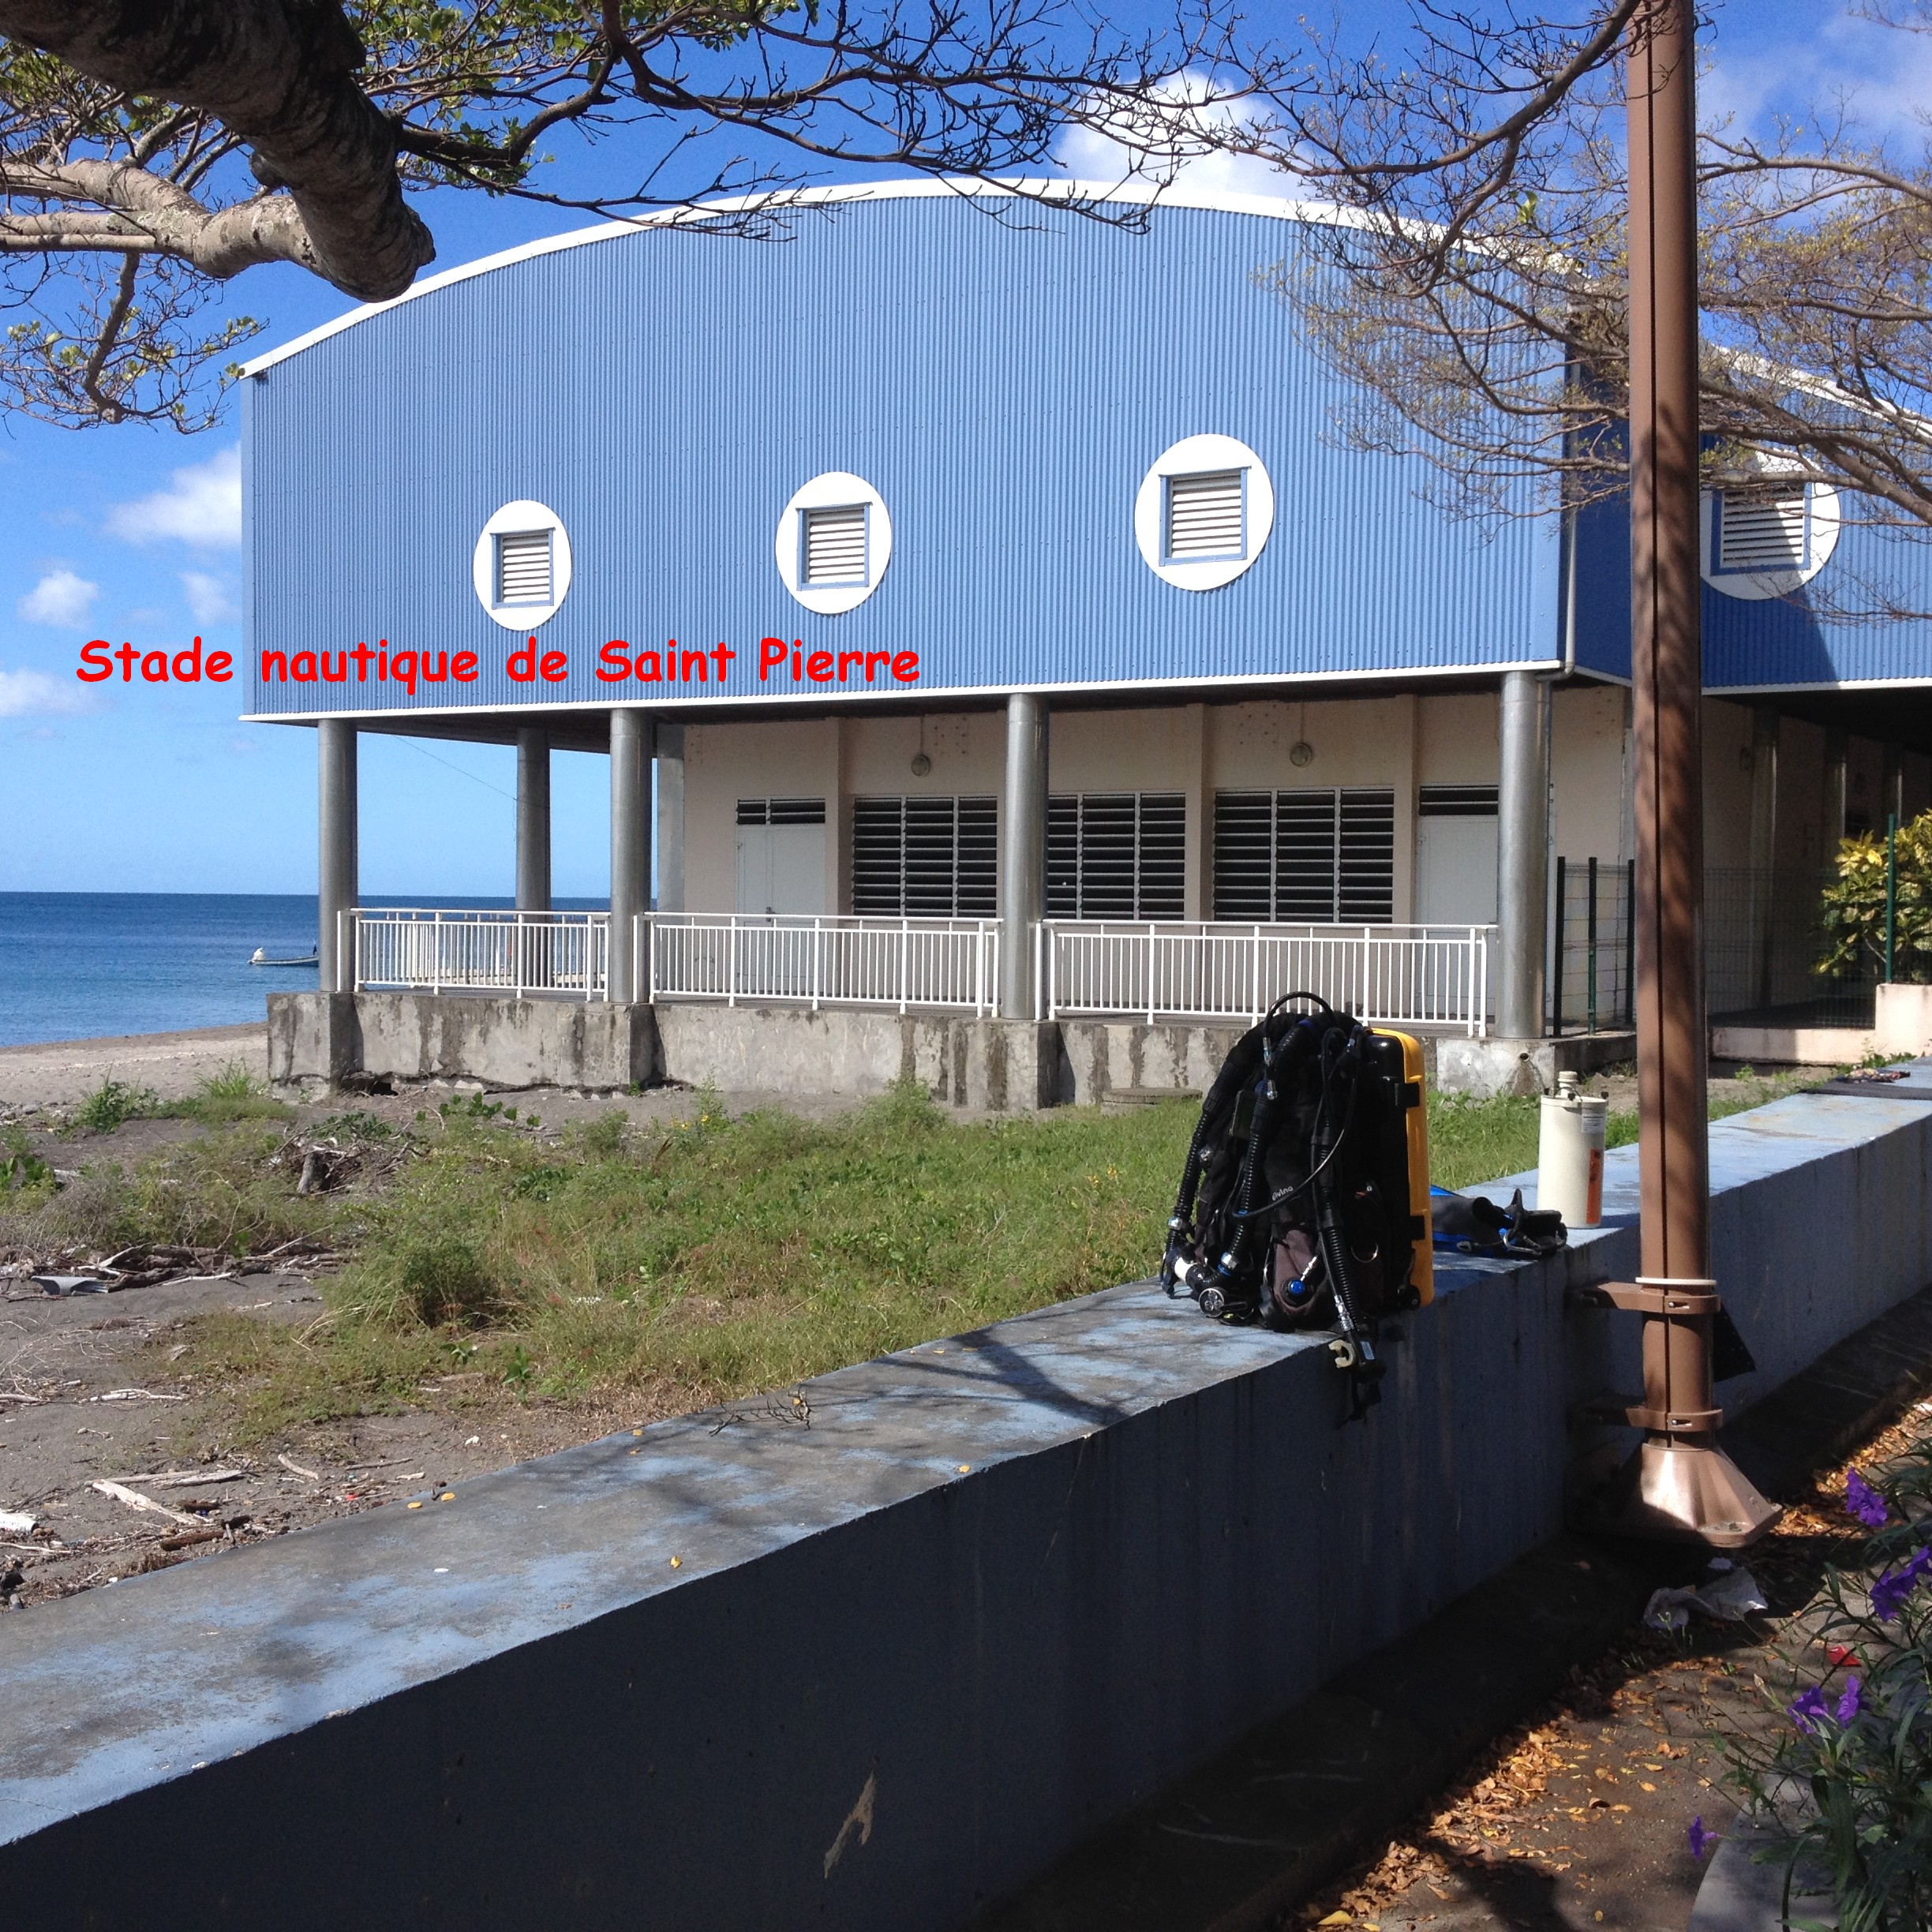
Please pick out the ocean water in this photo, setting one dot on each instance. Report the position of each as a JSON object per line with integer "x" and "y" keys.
{"x": 79, "y": 965}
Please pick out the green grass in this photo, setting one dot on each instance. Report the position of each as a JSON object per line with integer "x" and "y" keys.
{"x": 679, "y": 1266}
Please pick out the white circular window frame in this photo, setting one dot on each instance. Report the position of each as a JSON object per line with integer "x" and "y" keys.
{"x": 1190, "y": 457}
{"x": 525, "y": 514}
{"x": 1757, "y": 586}
{"x": 834, "y": 489}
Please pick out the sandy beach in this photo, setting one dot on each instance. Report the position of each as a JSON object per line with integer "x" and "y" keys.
{"x": 62, "y": 1072}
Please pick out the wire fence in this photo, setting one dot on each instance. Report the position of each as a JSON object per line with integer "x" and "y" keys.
{"x": 1592, "y": 969}
{"x": 1762, "y": 941}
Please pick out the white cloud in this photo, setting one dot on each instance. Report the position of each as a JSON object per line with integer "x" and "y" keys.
{"x": 60, "y": 597}
{"x": 30, "y": 694}
{"x": 208, "y": 599}
{"x": 202, "y": 507}
{"x": 1169, "y": 138}
{"x": 1807, "y": 62}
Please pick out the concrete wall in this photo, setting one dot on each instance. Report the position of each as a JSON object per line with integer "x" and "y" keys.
{"x": 420, "y": 1036}
{"x": 1589, "y": 768}
{"x": 1404, "y": 740}
{"x": 1006, "y": 1065}
{"x": 1001, "y": 1589}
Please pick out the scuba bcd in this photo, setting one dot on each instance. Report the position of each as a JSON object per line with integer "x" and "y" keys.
{"x": 1304, "y": 1199}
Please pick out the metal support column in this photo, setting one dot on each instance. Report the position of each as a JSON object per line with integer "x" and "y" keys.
{"x": 533, "y": 820}
{"x": 630, "y": 846}
{"x": 1678, "y": 1484}
{"x": 1522, "y": 855}
{"x": 336, "y": 870}
{"x": 670, "y": 818}
{"x": 1023, "y": 852}
{"x": 1763, "y": 774}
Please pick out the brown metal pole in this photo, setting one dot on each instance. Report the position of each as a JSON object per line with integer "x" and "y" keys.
{"x": 1678, "y": 1484}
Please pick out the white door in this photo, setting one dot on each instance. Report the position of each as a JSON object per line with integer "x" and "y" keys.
{"x": 781, "y": 868}
{"x": 1456, "y": 870}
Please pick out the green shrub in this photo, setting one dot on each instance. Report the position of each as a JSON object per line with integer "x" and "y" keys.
{"x": 1852, "y": 913}
{"x": 603, "y": 1138}
{"x": 22, "y": 1172}
{"x": 113, "y": 1102}
{"x": 445, "y": 1281}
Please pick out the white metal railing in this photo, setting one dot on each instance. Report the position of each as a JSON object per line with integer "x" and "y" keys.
{"x": 829, "y": 962}
{"x": 1428, "y": 975}
{"x": 439, "y": 950}
{"x": 1431, "y": 975}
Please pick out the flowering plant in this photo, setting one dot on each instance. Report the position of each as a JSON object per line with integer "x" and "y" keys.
{"x": 1856, "y": 1738}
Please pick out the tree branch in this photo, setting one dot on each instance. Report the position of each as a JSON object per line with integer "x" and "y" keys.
{"x": 279, "y": 73}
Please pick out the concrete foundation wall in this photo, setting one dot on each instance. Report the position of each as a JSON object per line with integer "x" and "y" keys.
{"x": 1008, "y": 1065}
{"x": 1001, "y": 1589}
{"x": 1001, "y": 1066}
{"x": 421, "y": 1036}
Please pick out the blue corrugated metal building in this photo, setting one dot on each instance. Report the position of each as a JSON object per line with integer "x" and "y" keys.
{"x": 810, "y": 513}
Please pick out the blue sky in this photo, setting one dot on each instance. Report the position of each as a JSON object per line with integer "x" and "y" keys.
{"x": 132, "y": 533}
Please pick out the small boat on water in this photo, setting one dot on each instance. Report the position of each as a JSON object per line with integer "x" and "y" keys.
{"x": 260, "y": 957}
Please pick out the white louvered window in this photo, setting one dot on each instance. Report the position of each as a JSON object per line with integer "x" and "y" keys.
{"x": 1117, "y": 855}
{"x": 925, "y": 858}
{"x": 523, "y": 572}
{"x": 1764, "y": 529}
{"x": 1207, "y": 516}
{"x": 1306, "y": 857}
{"x": 832, "y": 543}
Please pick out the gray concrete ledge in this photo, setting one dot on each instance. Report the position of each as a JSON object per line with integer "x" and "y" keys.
{"x": 1005, "y": 1065}
{"x": 876, "y": 1672}
{"x": 323, "y": 1038}
{"x": 1001, "y": 1065}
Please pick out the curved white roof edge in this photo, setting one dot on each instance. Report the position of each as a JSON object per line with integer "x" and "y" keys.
{"x": 1270, "y": 207}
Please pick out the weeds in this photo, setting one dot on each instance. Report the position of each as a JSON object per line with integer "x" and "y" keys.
{"x": 23, "y": 1173}
{"x": 112, "y": 1103}
{"x": 444, "y": 1281}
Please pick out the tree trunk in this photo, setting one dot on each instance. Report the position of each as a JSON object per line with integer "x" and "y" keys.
{"x": 280, "y": 74}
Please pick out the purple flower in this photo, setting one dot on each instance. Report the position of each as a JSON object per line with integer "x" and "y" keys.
{"x": 1848, "y": 1703}
{"x": 1862, "y": 1501}
{"x": 1805, "y": 1710}
{"x": 1700, "y": 1840}
{"x": 1890, "y": 1592}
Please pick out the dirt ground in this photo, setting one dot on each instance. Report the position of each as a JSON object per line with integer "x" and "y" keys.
{"x": 90, "y": 1392}
{"x": 1581, "y": 1817}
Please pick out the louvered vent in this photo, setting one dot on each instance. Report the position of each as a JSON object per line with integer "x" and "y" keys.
{"x": 1763, "y": 529}
{"x": 1207, "y": 515}
{"x": 1305, "y": 857}
{"x": 1116, "y": 855}
{"x": 834, "y": 545}
{"x": 925, "y": 858}
{"x": 523, "y": 568}
{"x": 781, "y": 812}
{"x": 1457, "y": 802}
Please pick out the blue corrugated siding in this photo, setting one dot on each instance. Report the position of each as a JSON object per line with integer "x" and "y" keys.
{"x": 1005, "y": 387}
{"x": 1834, "y": 631}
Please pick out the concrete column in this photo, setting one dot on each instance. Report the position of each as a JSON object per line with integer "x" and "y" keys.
{"x": 630, "y": 844}
{"x": 533, "y": 820}
{"x": 1836, "y": 795}
{"x": 1197, "y": 885}
{"x": 1523, "y": 857}
{"x": 670, "y": 817}
{"x": 336, "y": 871}
{"x": 1764, "y": 775}
{"x": 1023, "y": 850}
